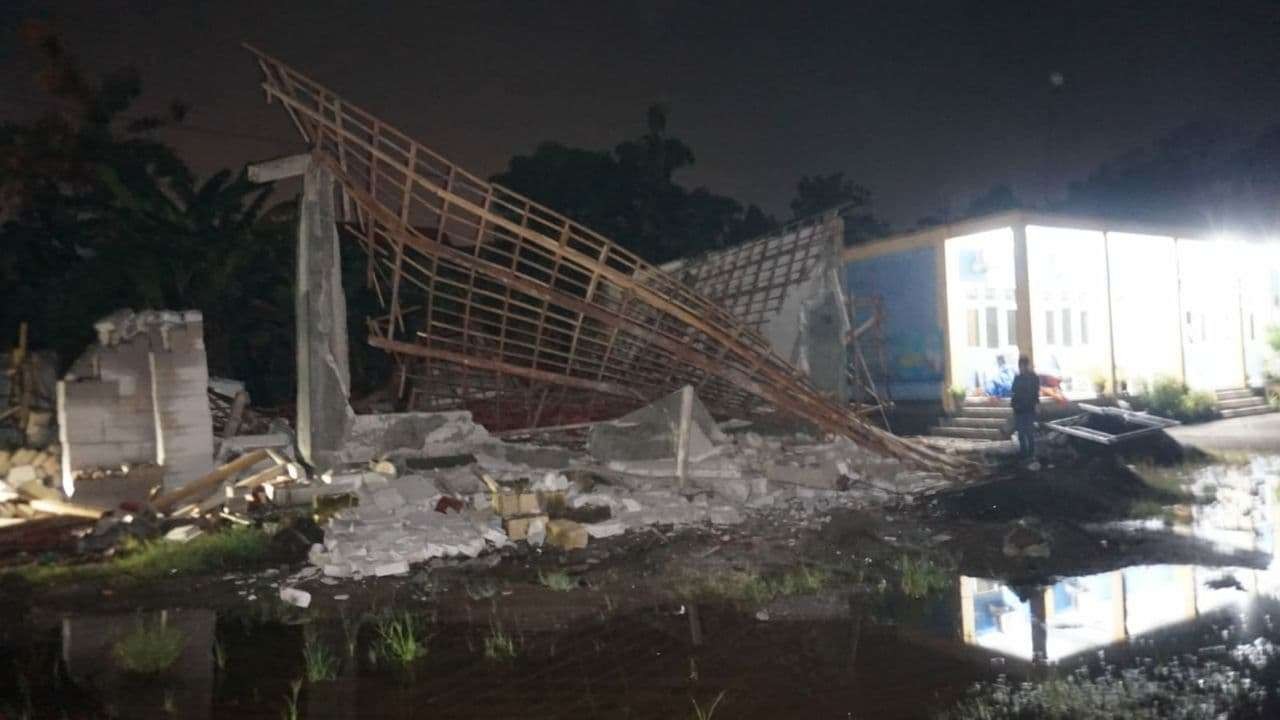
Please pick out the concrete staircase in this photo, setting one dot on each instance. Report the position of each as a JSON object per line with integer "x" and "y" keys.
{"x": 1241, "y": 402}
{"x": 978, "y": 420}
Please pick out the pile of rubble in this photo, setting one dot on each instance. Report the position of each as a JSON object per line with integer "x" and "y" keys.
{"x": 484, "y": 494}
{"x": 419, "y": 486}
{"x": 26, "y": 474}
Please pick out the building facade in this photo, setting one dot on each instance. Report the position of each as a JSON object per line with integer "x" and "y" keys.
{"x": 1094, "y": 302}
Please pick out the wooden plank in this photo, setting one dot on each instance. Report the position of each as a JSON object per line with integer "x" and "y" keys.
{"x": 210, "y": 482}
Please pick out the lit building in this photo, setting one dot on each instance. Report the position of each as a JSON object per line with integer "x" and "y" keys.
{"x": 1093, "y": 302}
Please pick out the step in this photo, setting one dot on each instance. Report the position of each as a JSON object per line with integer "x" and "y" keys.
{"x": 1234, "y": 394}
{"x": 991, "y": 423}
{"x": 967, "y": 433}
{"x": 1262, "y": 409}
{"x": 986, "y": 402}
{"x": 975, "y": 411}
{"x": 1239, "y": 403}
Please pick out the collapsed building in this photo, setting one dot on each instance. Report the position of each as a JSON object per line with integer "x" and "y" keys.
{"x": 498, "y": 305}
{"x": 501, "y": 315}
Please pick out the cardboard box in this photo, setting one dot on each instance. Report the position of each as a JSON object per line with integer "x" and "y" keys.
{"x": 512, "y": 504}
{"x": 566, "y": 534}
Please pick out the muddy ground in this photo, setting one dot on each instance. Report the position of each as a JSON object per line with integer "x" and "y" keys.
{"x": 842, "y": 613}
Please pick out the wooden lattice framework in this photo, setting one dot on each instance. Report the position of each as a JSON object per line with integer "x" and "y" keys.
{"x": 753, "y": 280}
{"x": 501, "y": 303}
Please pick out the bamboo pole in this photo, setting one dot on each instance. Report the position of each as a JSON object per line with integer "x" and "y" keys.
{"x": 57, "y": 507}
{"x": 209, "y": 482}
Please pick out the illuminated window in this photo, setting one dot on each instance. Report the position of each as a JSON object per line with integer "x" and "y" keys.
{"x": 1048, "y": 328}
{"x": 972, "y": 317}
{"x": 1066, "y": 327}
{"x": 1084, "y": 327}
{"x": 1011, "y": 316}
{"x": 993, "y": 328}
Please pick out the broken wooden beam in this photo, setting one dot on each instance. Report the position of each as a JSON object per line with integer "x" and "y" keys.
{"x": 58, "y": 507}
{"x": 207, "y": 484}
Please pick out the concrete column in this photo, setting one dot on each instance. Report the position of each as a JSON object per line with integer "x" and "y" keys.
{"x": 1022, "y": 290}
{"x": 944, "y": 317}
{"x": 324, "y": 375}
{"x": 1111, "y": 327}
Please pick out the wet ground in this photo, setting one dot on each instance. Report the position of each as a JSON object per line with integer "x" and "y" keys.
{"x": 1165, "y": 577}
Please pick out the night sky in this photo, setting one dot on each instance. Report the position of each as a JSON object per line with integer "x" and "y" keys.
{"x": 928, "y": 104}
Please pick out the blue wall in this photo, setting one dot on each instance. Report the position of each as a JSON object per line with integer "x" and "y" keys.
{"x": 907, "y": 284}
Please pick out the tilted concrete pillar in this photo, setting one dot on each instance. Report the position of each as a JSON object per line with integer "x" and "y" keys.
{"x": 323, "y": 363}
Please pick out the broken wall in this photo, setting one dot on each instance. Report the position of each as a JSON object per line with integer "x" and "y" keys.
{"x": 139, "y": 396}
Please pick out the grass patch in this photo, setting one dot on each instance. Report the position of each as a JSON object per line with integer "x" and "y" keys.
{"x": 150, "y": 649}
{"x": 290, "y": 711}
{"x": 710, "y": 712}
{"x": 499, "y": 646}
{"x": 920, "y": 577}
{"x": 557, "y": 580}
{"x": 400, "y": 639}
{"x": 748, "y": 586}
{"x": 320, "y": 662}
{"x": 1146, "y": 509}
{"x": 229, "y": 549}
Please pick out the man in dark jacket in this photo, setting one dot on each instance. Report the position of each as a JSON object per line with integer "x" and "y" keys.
{"x": 1026, "y": 398}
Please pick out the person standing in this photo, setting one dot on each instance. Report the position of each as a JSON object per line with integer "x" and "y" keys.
{"x": 1026, "y": 398}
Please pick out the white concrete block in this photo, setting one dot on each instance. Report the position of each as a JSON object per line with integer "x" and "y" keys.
{"x": 398, "y": 567}
{"x": 724, "y": 515}
{"x": 605, "y": 529}
{"x": 339, "y": 570}
{"x": 20, "y": 474}
{"x": 537, "y": 533}
{"x": 388, "y": 499}
{"x": 183, "y": 533}
{"x": 294, "y": 596}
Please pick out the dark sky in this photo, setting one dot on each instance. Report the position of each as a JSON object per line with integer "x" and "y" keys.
{"x": 928, "y": 104}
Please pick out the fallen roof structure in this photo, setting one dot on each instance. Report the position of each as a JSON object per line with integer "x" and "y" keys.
{"x": 513, "y": 310}
{"x": 1109, "y": 425}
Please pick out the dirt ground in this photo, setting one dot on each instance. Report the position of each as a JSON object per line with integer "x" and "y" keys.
{"x": 648, "y": 625}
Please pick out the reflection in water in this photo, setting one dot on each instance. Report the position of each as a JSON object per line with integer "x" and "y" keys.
{"x": 88, "y": 652}
{"x": 829, "y": 655}
{"x": 1085, "y": 613}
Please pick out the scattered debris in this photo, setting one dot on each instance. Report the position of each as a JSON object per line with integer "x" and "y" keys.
{"x": 1109, "y": 425}
{"x": 294, "y": 596}
{"x": 1025, "y": 541}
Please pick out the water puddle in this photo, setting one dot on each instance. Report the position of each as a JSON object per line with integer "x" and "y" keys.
{"x": 838, "y": 652}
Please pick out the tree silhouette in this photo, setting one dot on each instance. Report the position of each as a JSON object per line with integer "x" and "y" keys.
{"x": 632, "y": 195}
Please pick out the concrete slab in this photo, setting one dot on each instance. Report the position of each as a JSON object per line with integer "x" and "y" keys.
{"x": 650, "y": 433}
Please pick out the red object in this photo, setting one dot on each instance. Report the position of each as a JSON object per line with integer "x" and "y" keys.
{"x": 447, "y": 503}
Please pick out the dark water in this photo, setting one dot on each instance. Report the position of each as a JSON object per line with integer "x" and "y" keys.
{"x": 839, "y": 653}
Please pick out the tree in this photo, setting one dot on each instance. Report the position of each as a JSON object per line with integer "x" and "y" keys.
{"x": 98, "y": 215}
{"x": 820, "y": 193}
{"x": 1200, "y": 174}
{"x": 631, "y": 195}
{"x": 997, "y": 198}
